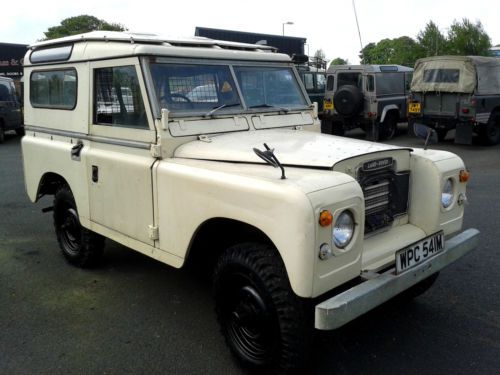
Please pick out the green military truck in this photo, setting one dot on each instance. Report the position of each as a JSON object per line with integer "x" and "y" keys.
{"x": 457, "y": 92}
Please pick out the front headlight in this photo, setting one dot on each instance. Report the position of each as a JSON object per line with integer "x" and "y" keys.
{"x": 447, "y": 194}
{"x": 343, "y": 229}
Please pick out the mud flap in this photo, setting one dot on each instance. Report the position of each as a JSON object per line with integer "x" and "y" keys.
{"x": 463, "y": 133}
{"x": 372, "y": 130}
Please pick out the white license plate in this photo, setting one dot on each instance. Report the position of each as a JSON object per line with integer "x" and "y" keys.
{"x": 419, "y": 252}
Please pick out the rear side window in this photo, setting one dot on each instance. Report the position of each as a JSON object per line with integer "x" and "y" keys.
{"x": 441, "y": 75}
{"x": 117, "y": 99}
{"x": 329, "y": 83}
{"x": 5, "y": 92}
{"x": 55, "y": 89}
{"x": 390, "y": 83}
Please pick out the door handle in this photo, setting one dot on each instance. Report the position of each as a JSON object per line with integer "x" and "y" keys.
{"x": 76, "y": 150}
{"x": 95, "y": 173}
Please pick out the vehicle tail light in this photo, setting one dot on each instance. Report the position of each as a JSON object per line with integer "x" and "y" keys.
{"x": 465, "y": 110}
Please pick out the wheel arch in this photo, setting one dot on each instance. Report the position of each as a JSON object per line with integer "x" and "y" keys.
{"x": 215, "y": 235}
{"x": 49, "y": 183}
{"x": 391, "y": 108}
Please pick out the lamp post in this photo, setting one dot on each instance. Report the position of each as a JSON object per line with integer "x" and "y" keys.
{"x": 286, "y": 23}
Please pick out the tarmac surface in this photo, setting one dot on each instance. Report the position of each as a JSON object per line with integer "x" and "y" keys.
{"x": 134, "y": 315}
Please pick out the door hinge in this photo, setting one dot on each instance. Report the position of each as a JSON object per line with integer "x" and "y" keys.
{"x": 154, "y": 233}
{"x": 156, "y": 151}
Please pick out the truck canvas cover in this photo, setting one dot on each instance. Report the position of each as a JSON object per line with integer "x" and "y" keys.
{"x": 457, "y": 74}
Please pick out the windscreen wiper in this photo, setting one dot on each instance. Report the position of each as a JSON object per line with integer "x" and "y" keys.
{"x": 265, "y": 105}
{"x": 215, "y": 109}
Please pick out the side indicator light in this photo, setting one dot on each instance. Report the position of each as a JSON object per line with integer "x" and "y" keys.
{"x": 325, "y": 218}
{"x": 464, "y": 176}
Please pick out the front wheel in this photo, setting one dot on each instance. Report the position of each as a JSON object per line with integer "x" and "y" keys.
{"x": 80, "y": 246}
{"x": 264, "y": 323}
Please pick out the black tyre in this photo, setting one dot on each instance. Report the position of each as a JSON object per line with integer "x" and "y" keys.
{"x": 348, "y": 101}
{"x": 441, "y": 133}
{"x": 418, "y": 289}
{"x": 2, "y": 134}
{"x": 387, "y": 128}
{"x": 490, "y": 132}
{"x": 80, "y": 246}
{"x": 264, "y": 323}
{"x": 20, "y": 131}
{"x": 338, "y": 128}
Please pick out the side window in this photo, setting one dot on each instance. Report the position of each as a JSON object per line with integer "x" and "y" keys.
{"x": 329, "y": 83}
{"x": 308, "y": 81}
{"x": 54, "y": 89}
{"x": 117, "y": 98}
{"x": 370, "y": 83}
{"x": 408, "y": 78}
{"x": 4, "y": 93}
{"x": 390, "y": 83}
{"x": 320, "y": 82}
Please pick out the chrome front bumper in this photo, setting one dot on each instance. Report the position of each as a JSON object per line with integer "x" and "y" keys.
{"x": 379, "y": 288}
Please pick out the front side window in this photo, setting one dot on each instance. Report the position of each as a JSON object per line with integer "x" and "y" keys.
{"x": 54, "y": 89}
{"x": 5, "y": 92}
{"x": 117, "y": 99}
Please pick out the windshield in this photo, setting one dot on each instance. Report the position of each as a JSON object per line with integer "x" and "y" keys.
{"x": 269, "y": 87}
{"x": 202, "y": 89}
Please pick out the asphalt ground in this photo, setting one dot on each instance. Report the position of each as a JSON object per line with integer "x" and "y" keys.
{"x": 134, "y": 315}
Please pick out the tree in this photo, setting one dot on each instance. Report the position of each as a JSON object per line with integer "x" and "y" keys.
{"x": 339, "y": 61}
{"x": 432, "y": 41}
{"x": 403, "y": 51}
{"x": 319, "y": 59}
{"x": 466, "y": 38}
{"x": 80, "y": 24}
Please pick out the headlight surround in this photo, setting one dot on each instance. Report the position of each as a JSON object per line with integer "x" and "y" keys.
{"x": 447, "y": 194}
{"x": 343, "y": 229}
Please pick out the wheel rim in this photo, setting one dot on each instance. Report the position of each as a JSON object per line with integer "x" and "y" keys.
{"x": 249, "y": 320}
{"x": 70, "y": 231}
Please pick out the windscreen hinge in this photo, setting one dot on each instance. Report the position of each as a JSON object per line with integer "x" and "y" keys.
{"x": 154, "y": 233}
{"x": 156, "y": 151}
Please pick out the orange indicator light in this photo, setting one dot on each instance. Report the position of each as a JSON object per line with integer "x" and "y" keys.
{"x": 325, "y": 218}
{"x": 464, "y": 176}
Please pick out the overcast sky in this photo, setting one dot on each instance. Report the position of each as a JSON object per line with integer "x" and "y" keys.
{"x": 329, "y": 25}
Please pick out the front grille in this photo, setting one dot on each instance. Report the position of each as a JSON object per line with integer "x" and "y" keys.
{"x": 386, "y": 196}
{"x": 377, "y": 197}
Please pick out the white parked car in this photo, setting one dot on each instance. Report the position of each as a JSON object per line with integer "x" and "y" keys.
{"x": 337, "y": 228}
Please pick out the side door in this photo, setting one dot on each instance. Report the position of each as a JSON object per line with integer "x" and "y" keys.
{"x": 119, "y": 160}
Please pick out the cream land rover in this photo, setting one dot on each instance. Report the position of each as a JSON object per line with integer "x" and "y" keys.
{"x": 168, "y": 147}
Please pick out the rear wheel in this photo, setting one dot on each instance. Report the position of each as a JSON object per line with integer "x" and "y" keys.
{"x": 20, "y": 131}
{"x": 263, "y": 321}
{"x": 80, "y": 246}
{"x": 490, "y": 132}
{"x": 388, "y": 127}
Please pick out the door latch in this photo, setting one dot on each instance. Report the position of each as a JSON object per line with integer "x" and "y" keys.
{"x": 76, "y": 150}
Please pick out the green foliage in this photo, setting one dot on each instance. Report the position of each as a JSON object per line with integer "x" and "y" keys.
{"x": 467, "y": 38}
{"x": 402, "y": 51}
{"x": 80, "y": 24}
{"x": 464, "y": 38}
{"x": 339, "y": 61}
{"x": 432, "y": 41}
